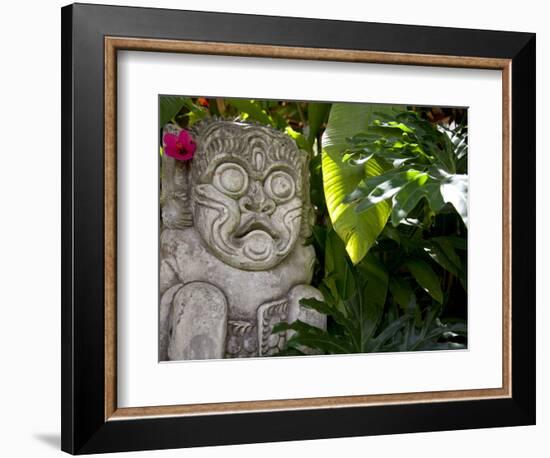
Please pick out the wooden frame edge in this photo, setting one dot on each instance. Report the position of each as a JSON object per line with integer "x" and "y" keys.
{"x": 110, "y": 199}
{"x": 335, "y": 402}
{"x": 507, "y": 227}
{"x": 112, "y": 45}
{"x": 291, "y": 52}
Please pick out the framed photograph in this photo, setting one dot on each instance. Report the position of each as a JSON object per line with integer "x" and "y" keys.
{"x": 283, "y": 228}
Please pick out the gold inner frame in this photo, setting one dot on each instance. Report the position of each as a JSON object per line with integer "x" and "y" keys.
{"x": 112, "y": 45}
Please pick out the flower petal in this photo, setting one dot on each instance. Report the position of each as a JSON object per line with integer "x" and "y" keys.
{"x": 187, "y": 155}
{"x": 171, "y": 152}
{"x": 169, "y": 139}
{"x": 183, "y": 136}
{"x": 187, "y": 141}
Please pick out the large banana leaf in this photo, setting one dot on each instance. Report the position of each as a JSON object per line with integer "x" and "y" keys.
{"x": 358, "y": 230}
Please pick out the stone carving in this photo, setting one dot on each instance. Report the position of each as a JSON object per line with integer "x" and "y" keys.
{"x": 233, "y": 258}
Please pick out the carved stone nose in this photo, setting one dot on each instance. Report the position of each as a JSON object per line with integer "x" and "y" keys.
{"x": 256, "y": 201}
{"x": 267, "y": 206}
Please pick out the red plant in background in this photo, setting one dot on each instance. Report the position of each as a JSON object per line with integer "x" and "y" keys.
{"x": 203, "y": 101}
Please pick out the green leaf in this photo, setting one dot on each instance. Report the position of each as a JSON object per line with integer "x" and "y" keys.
{"x": 312, "y": 337}
{"x": 392, "y": 234}
{"x": 325, "y": 309}
{"x": 358, "y": 231}
{"x": 337, "y": 266}
{"x": 373, "y": 296}
{"x": 196, "y": 114}
{"x": 316, "y": 184}
{"x": 401, "y": 291}
{"x": 426, "y": 278}
{"x": 455, "y": 191}
{"x": 393, "y": 125}
{"x": 253, "y": 110}
{"x": 324, "y": 342}
{"x": 364, "y": 318}
{"x": 458, "y": 243}
{"x": 300, "y": 140}
{"x": 387, "y": 333}
{"x": 388, "y": 188}
{"x": 317, "y": 115}
{"x": 170, "y": 106}
{"x": 406, "y": 199}
{"x": 448, "y": 248}
{"x": 410, "y": 195}
{"x": 376, "y": 277}
{"x": 290, "y": 352}
{"x": 433, "y": 194}
{"x": 439, "y": 256}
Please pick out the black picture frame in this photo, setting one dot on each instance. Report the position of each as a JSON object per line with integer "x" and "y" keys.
{"x": 84, "y": 426}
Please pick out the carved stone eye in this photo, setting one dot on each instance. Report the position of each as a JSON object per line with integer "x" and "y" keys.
{"x": 280, "y": 186}
{"x": 231, "y": 179}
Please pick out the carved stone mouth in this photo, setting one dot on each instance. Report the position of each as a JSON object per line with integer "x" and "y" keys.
{"x": 255, "y": 225}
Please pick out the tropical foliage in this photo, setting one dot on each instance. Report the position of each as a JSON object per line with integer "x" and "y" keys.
{"x": 389, "y": 185}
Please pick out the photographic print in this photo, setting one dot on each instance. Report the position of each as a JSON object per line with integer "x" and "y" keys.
{"x": 294, "y": 228}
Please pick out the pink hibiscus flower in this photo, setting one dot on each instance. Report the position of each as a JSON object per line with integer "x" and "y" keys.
{"x": 180, "y": 147}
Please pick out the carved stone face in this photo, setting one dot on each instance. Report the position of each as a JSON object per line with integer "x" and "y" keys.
{"x": 248, "y": 194}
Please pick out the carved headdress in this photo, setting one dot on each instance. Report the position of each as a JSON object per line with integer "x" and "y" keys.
{"x": 257, "y": 146}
